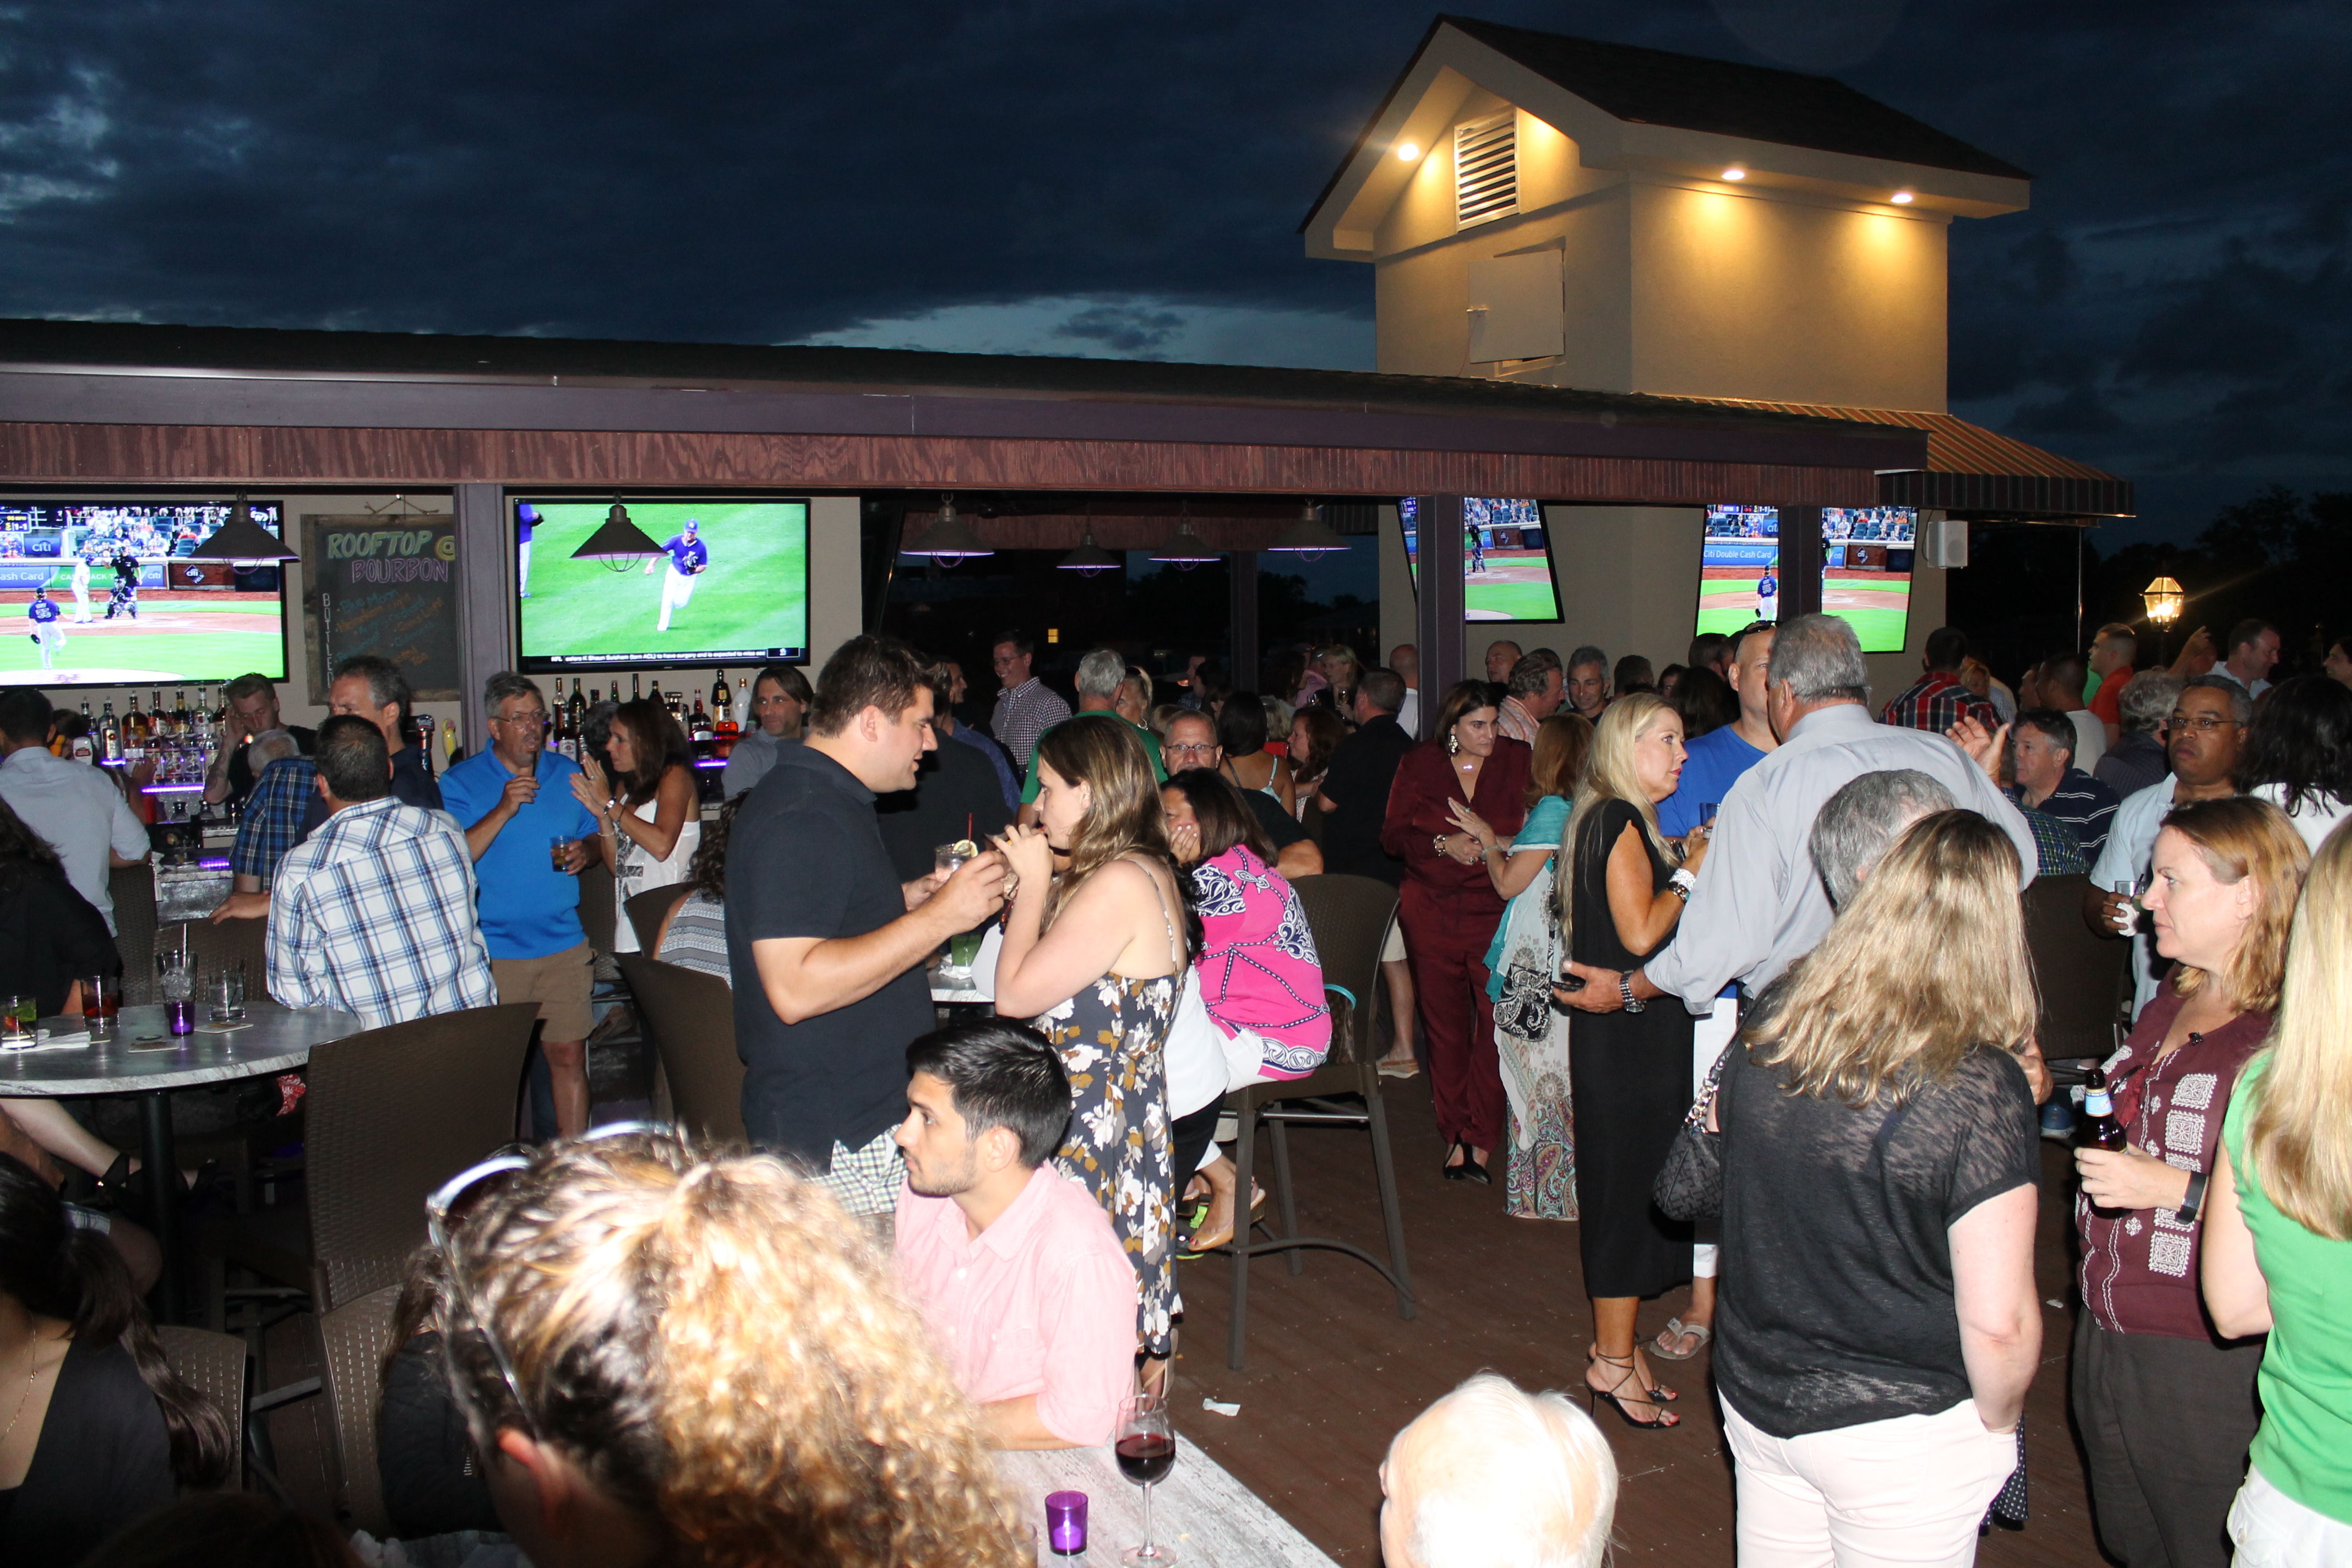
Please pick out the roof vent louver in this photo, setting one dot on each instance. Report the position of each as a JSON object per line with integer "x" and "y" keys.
{"x": 1486, "y": 169}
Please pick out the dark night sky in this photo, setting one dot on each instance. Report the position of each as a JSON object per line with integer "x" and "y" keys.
{"x": 1126, "y": 179}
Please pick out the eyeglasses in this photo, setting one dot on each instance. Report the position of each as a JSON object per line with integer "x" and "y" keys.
{"x": 1174, "y": 749}
{"x": 528, "y": 721}
{"x": 2206, "y": 722}
{"x": 436, "y": 1230}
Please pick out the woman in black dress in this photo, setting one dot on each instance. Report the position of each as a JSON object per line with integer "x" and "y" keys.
{"x": 1629, "y": 1072}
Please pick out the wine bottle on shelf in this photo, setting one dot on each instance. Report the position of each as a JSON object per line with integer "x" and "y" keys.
{"x": 634, "y": 694}
{"x": 579, "y": 708}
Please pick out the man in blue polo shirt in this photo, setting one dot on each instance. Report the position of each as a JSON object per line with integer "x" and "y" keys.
{"x": 515, "y": 806}
{"x": 1712, "y": 764}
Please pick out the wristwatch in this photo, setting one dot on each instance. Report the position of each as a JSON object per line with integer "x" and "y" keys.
{"x": 2189, "y": 1205}
{"x": 1680, "y": 884}
{"x": 1625, "y": 994}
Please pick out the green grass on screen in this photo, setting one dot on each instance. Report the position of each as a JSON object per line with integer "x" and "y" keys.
{"x": 1511, "y": 601}
{"x": 752, "y": 595}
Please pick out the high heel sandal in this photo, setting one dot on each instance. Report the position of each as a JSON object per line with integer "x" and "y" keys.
{"x": 1651, "y": 1396}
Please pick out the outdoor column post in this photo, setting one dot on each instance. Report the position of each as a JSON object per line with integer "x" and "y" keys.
{"x": 1439, "y": 603}
{"x": 486, "y": 599}
{"x": 1242, "y": 596}
{"x": 1800, "y": 560}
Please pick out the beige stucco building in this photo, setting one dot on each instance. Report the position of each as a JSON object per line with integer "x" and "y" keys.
{"x": 1564, "y": 212}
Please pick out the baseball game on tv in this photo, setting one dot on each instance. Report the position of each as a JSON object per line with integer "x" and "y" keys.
{"x": 727, "y": 584}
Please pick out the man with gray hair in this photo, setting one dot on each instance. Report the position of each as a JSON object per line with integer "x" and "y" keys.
{"x": 1757, "y": 907}
{"x": 1587, "y": 682}
{"x": 284, "y": 783}
{"x": 1538, "y": 687}
{"x": 374, "y": 690}
{"x": 1492, "y": 1476}
{"x": 1858, "y": 824}
{"x": 2136, "y": 760}
{"x": 1100, "y": 675}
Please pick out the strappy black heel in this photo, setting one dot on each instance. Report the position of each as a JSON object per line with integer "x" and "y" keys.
{"x": 1651, "y": 1396}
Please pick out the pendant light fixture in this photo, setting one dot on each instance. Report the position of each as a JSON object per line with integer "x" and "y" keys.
{"x": 1310, "y": 538}
{"x": 618, "y": 542}
{"x": 1089, "y": 559}
{"x": 242, "y": 541}
{"x": 950, "y": 541}
{"x": 1185, "y": 549}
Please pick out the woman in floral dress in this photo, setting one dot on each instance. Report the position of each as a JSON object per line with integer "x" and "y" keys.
{"x": 1093, "y": 959}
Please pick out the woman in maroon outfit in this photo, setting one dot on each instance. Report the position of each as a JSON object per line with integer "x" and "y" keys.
{"x": 1449, "y": 909}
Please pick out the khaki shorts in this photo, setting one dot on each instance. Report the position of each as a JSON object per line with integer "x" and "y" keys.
{"x": 559, "y": 983}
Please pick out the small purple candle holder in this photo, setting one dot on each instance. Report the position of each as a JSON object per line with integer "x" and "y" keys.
{"x": 180, "y": 1018}
{"x": 1065, "y": 1522}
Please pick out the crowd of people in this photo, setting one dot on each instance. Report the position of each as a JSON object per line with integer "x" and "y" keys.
{"x": 1727, "y": 928}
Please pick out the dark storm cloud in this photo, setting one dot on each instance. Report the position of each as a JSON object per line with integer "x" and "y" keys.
{"x": 767, "y": 172}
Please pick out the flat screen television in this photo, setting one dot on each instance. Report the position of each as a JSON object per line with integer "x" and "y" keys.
{"x": 1740, "y": 568}
{"x": 1866, "y": 559}
{"x": 1506, "y": 559}
{"x": 731, "y": 587}
{"x": 131, "y": 610}
{"x": 1866, "y": 555}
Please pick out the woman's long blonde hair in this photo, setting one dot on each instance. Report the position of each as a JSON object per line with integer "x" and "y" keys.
{"x": 1609, "y": 774}
{"x": 1926, "y": 962}
{"x": 2299, "y": 1137}
{"x": 717, "y": 1346}
{"x": 1123, "y": 815}
{"x": 2238, "y": 837}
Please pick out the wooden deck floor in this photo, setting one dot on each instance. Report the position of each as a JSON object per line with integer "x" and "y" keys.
{"x": 1333, "y": 1373}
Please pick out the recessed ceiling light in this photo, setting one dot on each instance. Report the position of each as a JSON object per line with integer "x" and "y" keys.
{"x": 1902, "y": 198}
{"x": 1408, "y": 150}
{"x": 1735, "y": 173}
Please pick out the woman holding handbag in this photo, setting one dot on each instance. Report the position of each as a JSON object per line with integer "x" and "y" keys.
{"x": 1622, "y": 892}
{"x": 1530, "y": 1035}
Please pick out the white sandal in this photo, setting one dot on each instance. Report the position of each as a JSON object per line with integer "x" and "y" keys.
{"x": 1671, "y": 1336}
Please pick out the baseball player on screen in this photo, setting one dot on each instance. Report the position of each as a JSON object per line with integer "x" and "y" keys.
{"x": 689, "y": 559}
{"x": 45, "y": 633}
{"x": 1768, "y": 590}
{"x": 81, "y": 589}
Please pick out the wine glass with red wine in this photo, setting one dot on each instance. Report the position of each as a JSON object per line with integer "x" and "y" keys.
{"x": 1146, "y": 1452}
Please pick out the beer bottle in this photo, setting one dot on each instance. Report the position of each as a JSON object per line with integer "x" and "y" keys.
{"x": 2098, "y": 1127}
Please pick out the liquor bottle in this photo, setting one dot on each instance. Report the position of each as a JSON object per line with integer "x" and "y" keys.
{"x": 180, "y": 713}
{"x": 134, "y": 723}
{"x": 578, "y": 710}
{"x": 675, "y": 701}
{"x": 634, "y": 694}
{"x": 158, "y": 725}
{"x": 2097, "y": 1128}
{"x": 721, "y": 698}
{"x": 699, "y": 725}
{"x": 109, "y": 732}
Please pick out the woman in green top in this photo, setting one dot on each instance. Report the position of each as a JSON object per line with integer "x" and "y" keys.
{"x": 2278, "y": 1240}
{"x": 1540, "y": 1163}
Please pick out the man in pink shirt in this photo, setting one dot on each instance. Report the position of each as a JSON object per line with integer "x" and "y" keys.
{"x": 1015, "y": 1268}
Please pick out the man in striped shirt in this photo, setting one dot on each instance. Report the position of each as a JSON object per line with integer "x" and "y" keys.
{"x": 374, "y": 914}
{"x": 1025, "y": 709}
{"x": 2042, "y": 741}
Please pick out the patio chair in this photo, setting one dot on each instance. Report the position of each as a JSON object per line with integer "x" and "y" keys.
{"x": 132, "y": 888}
{"x": 1349, "y": 916}
{"x": 598, "y": 918}
{"x": 649, "y": 908}
{"x": 353, "y": 1339}
{"x": 214, "y": 1366}
{"x": 2081, "y": 976}
{"x": 690, "y": 1016}
{"x": 391, "y": 1114}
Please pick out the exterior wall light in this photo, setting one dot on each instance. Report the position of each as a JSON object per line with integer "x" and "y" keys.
{"x": 1735, "y": 173}
{"x": 1902, "y": 198}
{"x": 1408, "y": 150}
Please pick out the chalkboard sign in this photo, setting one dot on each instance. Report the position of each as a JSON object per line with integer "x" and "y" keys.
{"x": 387, "y": 585}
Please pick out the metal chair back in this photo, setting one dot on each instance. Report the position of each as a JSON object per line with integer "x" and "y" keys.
{"x": 214, "y": 1366}
{"x": 649, "y": 908}
{"x": 391, "y": 1114}
{"x": 690, "y": 1019}
{"x": 2079, "y": 974}
{"x": 354, "y": 1339}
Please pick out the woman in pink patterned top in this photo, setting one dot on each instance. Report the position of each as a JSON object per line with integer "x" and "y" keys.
{"x": 1259, "y": 977}
{"x": 2165, "y": 1409}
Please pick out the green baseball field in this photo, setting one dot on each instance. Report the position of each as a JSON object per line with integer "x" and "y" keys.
{"x": 1877, "y": 605}
{"x": 752, "y": 595}
{"x": 1516, "y": 586}
{"x": 183, "y": 637}
{"x": 1727, "y": 598}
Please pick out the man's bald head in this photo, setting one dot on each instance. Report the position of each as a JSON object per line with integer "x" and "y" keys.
{"x": 1490, "y": 1477}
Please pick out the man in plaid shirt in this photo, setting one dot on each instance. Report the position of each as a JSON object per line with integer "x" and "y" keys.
{"x": 1937, "y": 700}
{"x": 374, "y": 914}
{"x": 1025, "y": 709}
{"x": 271, "y": 823}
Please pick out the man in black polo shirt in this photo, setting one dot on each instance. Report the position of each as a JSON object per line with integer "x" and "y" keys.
{"x": 825, "y": 944}
{"x": 1355, "y": 802}
{"x": 252, "y": 703}
{"x": 374, "y": 690}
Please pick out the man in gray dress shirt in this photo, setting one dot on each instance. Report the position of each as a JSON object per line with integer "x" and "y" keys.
{"x": 1759, "y": 905}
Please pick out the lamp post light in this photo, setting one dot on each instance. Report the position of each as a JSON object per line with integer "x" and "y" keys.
{"x": 2165, "y": 602}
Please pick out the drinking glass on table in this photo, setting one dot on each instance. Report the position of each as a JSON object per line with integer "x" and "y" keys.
{"x": 1146, "y": 1447}
{"x": 17, "y": 1015}
{"x": 101, "y": 1002}
{"x": 225, "y": 991}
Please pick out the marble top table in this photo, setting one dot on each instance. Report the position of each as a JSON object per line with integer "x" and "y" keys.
{"x": 977, "y": 987}
{"x": 1200, "y": 1512}
{"x": 140, "y": 1057}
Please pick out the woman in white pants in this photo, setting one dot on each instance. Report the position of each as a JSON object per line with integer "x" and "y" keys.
{"x": 1878, "y": 1325}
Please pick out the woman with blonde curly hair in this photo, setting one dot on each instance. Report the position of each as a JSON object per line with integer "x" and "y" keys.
{"x": 671, "y": 1357}
{"x": 1093, "y": 959}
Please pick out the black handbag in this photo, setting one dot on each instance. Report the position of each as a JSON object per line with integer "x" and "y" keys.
{"x": 1690, "y": 1184}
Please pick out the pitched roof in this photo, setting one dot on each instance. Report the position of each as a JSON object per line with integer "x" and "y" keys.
{"x": 1971, "y": 469}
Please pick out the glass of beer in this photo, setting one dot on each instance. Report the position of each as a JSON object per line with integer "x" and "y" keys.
{"x": 558, "y": 851}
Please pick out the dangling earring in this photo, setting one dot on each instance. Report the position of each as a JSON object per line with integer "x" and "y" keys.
{"x": 1453, "y": 743}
